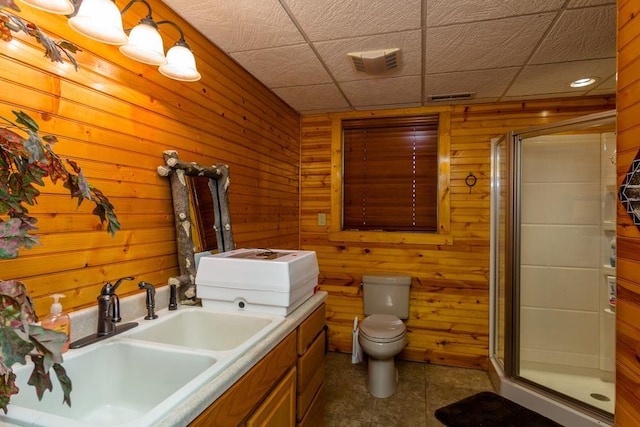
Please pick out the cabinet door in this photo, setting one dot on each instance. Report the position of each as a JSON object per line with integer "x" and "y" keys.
{"x": 279, "y": 408}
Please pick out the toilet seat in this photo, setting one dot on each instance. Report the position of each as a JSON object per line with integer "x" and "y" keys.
{"x": 382, "y": 328}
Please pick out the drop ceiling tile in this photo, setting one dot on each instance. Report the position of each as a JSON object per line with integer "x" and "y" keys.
{"x": 580, "y": 34}
{"x": 555, "y": 78}
{"x": 334, "y": 54}
{"x": 485, "y": 83}
{"x": 586, "y": 3}
{"x": 447, "y": 12}
{"x": 387, "y": 106}
{"x": 397, "y": 90}
{"x": 236, "y": 25}
{"x": 298, "y": 47}
{"x": 543, "y": 96}
{"x": 335, "y": 19}
{"x": 284, "y": 66}
{"x": 608, "y": 84}
{"x": 314, "y": 98}
{"x": 476, "y": 46}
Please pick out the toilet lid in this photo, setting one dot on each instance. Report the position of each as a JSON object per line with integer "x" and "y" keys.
{"x": 382, "y": 327}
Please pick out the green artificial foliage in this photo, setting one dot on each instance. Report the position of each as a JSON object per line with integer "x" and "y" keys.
{"x": 21, "y": 337}
{"x": 25, "y": 162}
{"x": 54, "y": 50}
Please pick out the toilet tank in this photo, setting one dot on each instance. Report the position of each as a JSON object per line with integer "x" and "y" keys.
{"x": 386, "y": 293}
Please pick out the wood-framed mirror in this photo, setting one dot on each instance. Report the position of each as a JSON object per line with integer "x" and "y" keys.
{"x": 188, "y": 194}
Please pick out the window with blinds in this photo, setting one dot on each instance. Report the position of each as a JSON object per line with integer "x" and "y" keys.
{"x": 390, "y": 174}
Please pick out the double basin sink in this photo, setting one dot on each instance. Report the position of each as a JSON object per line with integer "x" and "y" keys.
{"x": 139, "y": 376}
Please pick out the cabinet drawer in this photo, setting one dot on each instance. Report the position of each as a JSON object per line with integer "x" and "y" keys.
{"x": 315, "y": 415}
{"x": 310, "y": 374}
{"x": 310, "y": 327}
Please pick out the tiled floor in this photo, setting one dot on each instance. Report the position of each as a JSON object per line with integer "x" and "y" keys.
{"x": 422, "y": 389}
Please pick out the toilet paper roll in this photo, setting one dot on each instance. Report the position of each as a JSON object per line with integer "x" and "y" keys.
{"x": 356, "y": 351}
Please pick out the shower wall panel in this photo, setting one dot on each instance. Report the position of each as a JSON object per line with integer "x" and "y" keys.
{"x": 560, "y": 250}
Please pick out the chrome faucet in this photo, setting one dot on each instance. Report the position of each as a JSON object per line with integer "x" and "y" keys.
{"x": 109, "y": 308}
{"x": 151, "y": 300}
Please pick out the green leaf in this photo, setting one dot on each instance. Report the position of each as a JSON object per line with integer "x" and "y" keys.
{"x": 49, "y": 343}
{"x": 12, "y": 142}
{"x": 14, "y": 234}
{"x": 7, "y": 389}
{"x": 66, "y": 45}
{"x": 65, "y": 382}
{"x": 35, "y": 148}
{"x": 14, "y": 347}
{"x": 23, "y": 166}
{"x": 26, "y": 120}
{"x": 14, "y": 292}
{"x": 40, "y": 378}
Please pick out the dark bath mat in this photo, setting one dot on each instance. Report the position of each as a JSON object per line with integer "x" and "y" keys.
{"x": 488, "y": 409}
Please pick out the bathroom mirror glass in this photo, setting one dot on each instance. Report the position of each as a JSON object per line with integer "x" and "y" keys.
{"x": 202, "y": 214}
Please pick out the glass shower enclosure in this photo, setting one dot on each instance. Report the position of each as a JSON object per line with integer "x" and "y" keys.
{"x": 553, "y": 268}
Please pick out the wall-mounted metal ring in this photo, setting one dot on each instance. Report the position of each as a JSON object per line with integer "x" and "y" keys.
{"x": 470, "y": 180}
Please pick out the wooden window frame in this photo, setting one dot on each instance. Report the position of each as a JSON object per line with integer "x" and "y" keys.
{"x": 443, "y": 235}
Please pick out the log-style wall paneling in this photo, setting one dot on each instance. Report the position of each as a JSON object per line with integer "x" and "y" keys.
{"x": 116, "y": 117}
{"x": 449, "y": 307}
{"x": 628, "y": 235}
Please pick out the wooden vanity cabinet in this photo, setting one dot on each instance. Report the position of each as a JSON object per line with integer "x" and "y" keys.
{"x": 284, "y": 389}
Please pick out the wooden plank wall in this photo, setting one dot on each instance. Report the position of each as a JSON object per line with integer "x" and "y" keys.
{"x": 449, "y": 319}
{"x": 116, "y": 116}
{"x": 628, "y": 235}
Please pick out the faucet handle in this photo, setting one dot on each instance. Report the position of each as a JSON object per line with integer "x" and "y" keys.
{"x": 151, "y": 299}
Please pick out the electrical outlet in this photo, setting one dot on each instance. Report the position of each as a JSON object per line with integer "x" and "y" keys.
{"x": 322, "y": 218}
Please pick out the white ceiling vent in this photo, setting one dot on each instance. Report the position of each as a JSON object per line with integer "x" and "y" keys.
{"x": 375, "y": 61}
{"x": 451, "y": 97}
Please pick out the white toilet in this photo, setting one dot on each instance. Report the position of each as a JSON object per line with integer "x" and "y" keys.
{"x": 382, "y": 334}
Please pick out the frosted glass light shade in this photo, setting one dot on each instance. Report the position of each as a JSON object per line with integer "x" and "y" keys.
{"x": 181, "y": 65}
{"x": 59, "y": 7}
{"x": 99, "y": 20}
{"x": 145, "y": 45}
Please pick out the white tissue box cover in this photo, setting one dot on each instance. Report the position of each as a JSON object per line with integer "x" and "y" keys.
{"x": 272, "y": 281}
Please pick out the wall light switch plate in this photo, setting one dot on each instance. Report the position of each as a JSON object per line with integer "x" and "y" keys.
{"x": 322, "y": 218}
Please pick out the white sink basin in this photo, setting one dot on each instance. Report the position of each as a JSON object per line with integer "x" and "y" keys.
{"x": 114, "y": 383}
{"x": 139, "y": 376}
{"x": 206, "y": 329}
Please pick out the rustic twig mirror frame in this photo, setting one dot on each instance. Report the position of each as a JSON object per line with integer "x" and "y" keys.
{"x": 177, "y": 171}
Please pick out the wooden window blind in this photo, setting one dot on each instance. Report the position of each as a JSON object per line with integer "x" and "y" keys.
{"x": 390, "y": 174}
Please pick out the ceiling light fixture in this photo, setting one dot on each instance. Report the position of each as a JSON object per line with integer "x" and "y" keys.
{"x": 144, "y": 43}
{"x": 181, "y": 64}
{"x": 59, "y": 7}
{"x": 583, "y": 82}
{"x": 99, "y": 20}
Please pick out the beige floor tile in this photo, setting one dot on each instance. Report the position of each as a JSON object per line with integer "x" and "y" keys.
{"x": 422, "y": 388}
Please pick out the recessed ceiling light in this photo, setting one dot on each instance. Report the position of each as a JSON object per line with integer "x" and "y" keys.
{"x": 587, "y": 81}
